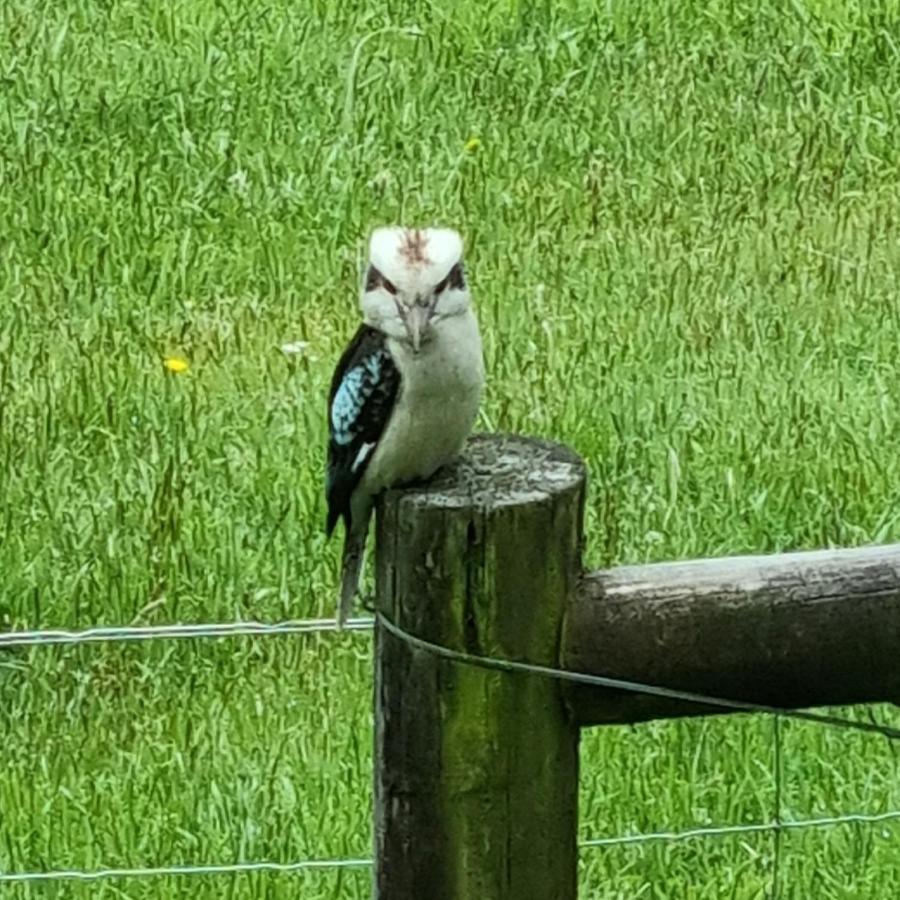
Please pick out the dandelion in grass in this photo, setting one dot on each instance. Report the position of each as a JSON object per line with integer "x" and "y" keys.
{"x": 177, "y": 365}
{"x": 473, "y": 144}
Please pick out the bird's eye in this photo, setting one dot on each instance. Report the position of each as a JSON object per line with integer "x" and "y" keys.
{"x": 375, "y": 280}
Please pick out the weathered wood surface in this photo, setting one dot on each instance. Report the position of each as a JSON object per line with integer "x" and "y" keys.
{"x": 793, "y": 630}
{"x": 476, "y": 770}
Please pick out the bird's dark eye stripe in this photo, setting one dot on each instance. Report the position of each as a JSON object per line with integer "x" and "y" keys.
{"x": 456, "y": 279}
{"x": 375, "y": 280}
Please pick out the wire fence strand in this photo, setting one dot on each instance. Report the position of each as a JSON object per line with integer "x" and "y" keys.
{"x": 635, "y": 687}
{"x": 777, "y": 817}
{"x": 312, "y": 626}
{"x": 725, "y": 830}
{"x": 157, "y": 632}
{"x": 307, "y": 865}
{"x": 314, "y": 865}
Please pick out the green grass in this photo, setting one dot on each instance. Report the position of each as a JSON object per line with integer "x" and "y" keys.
{"x": 681, "y": 228}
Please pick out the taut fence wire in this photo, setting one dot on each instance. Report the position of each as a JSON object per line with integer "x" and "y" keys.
{"x": 635, "y": 687}
{"x": 157, "y": 632}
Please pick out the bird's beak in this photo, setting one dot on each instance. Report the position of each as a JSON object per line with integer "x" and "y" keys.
{"x": 417, "y": 319}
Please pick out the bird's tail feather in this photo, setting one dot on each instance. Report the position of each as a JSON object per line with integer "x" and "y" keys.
{"x": 351, "y": 567}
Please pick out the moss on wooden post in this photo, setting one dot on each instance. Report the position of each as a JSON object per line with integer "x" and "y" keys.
{"x": 477, "y": 770}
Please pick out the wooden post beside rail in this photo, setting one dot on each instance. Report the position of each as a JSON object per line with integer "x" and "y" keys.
{"x": 476, "y": 775}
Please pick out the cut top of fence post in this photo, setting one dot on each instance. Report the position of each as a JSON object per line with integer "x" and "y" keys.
{"x": 531, "y": 491}
{"x": 501, "y": 470}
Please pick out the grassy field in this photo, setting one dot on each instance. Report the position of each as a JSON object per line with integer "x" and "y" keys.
{"x": 681, "y": 221}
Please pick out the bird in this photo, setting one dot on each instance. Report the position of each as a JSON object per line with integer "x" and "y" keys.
{"x": 406, "y": 391}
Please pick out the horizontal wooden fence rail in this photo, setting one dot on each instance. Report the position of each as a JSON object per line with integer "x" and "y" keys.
{"x": 792, "y": 630}
{"x": 476, "y": 766}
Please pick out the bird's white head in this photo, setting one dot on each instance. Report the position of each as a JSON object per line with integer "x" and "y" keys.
{"x": 414, "y": 281}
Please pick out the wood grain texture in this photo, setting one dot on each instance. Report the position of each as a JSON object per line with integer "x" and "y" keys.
{"x": 793, "y": 630}
{"x": 476, "y": 770}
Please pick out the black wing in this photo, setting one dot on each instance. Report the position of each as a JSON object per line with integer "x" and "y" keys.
{"x": 363, "y": 389}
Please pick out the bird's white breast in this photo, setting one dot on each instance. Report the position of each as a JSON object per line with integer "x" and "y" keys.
{"x": 440, "y": 390}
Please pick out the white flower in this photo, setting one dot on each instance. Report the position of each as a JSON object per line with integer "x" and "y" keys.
{"x": 294, "y": 348}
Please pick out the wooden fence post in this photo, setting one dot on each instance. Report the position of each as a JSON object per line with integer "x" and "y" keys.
{"x": 476, "y": 770}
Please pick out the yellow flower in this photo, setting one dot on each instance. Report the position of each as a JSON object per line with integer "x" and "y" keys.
{"x": 176, "y": 364}
{"x": 472, "y": 144}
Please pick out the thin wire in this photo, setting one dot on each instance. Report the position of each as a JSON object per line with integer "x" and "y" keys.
{"x": 154, "y": 871}
{"x": 635, "y": 687}
{"x": 777, "y": 818}
{"x": 200, "y": 630}
{"x": 359, "y": 863}
{"x": 725, "y": 830}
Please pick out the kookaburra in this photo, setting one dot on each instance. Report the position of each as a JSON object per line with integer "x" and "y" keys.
{"x": 406, "y": 390}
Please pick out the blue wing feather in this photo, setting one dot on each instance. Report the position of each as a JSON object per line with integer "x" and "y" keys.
{"x": 354, "y": 391}
{"x": 363, "y": 390}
